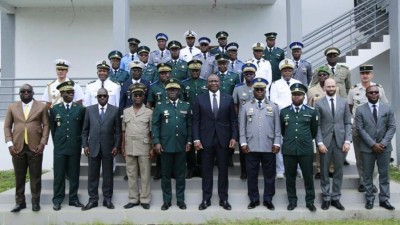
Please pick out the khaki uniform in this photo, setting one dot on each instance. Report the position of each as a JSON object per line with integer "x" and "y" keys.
{"x": 342, "y": 77}
{"x": 137, "y": 129}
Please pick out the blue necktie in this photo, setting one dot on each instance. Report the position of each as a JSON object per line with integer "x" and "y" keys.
{"x": 102, "y": 114}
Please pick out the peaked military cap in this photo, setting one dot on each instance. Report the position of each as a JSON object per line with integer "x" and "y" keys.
{"x": 271, "y": 35}
{"x": 66, "y": 86}
{"x": 137, "y": 87}
{"x": 298, "y": 87}
{"x": 172, "y": 83}
{"x": 115, "y": 55}
{"x": 164, "y": 67}
{"x": 174, "y": 44}
{"x": 222, "y": 34}
{"x": 204, "y": 40}
{"x": 136, "y": 64}
{"x": 332, "y": 50}
{"x": 62, "y": 64}
{"x": 249, "y": 67}
{"x": 296, "y": 45}
{"x": 233, "y": 46}
{"x": 194, "y": 64}
{"x": 133, "y": 41}
{"x": 286, "y": 63}
{"x": 161, "y": 36}
{"x": 190, "y": 33}
{"x": 259, "y": 82}
{"x": 366, "y": 68}
{"x": 322, "y": 70}
{"x": 221, "y": 57}
{"x": 102, "y": 64}
{"x": 258, "y": 46}
{"x": 143, "y": 48}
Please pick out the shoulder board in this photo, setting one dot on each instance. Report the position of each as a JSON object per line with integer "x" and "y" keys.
{"x": 239, "y": 61}
{"x": 92, "y": 81}
{"x": 154, "y": 51}
{"x": 354, "y": 86}
{"x": 344, "y": 66}
{"x": 74, "y": 81}
{"x": 186, "y": 79}
{"x": 115, "y": 82}
{"x": 379, "y": 85}
{"x": 250, "y": 60}
{"x": 51, "y": 82}
{"x": 277, "y": 48}
{"x": 306, "y": 61}
{"x": 239, "y": 84}
{"x": 154, "y": 83}
{"x": 232, "y": 73}
{"x": 308, "y": 106}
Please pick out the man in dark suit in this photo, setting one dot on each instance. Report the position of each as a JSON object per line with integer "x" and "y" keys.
{"x": 125, "y": 100}
{"x": 26, "y": 131}
{"x": 101, "y": 137}
{"x": 333, "y": 140}
{"x": 66, "y": 122}
{"x": 376, "y": 126}
{"x": 215, "y": 130}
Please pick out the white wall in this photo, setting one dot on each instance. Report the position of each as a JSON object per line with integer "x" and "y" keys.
{"x": 44, "y": 34}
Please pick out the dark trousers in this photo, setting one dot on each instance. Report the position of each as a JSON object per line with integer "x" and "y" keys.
{"x": 66, "y": 165}
{"x": 268, "y": 166}
{"x": 207, "y": 159}
{"x": 193, "y": 159}
{"x": 94, "y": 176}
{"x": 242, "y": 158}
{"x": 306, "y": 166}
{"x": 173, "y": 163}
{"x": 27, "y": 159}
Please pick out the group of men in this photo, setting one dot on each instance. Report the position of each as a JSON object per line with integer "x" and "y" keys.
{"x": 188, "y": 109}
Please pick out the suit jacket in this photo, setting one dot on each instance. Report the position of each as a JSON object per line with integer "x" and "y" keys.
{"x": 371, "y": 132}
{"x": 340, "y": 125}
{"x": 37, "y": 125}
{"x": 205, "y": 126}
{"x": 104, "y": 135}
{"x": 125, "y": 99}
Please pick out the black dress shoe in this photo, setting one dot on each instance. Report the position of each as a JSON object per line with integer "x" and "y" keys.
{"x": 361, "y": 188}
{"x": 291, "y": 206}
{"x": 181, "y": 205}
{"x": 386, "y": 205}
{"x": 254, "y": 204}
{"x": 204, "y": 204}
{"x": 18, "y": 207}
{"x": 108, "y": 204}
{"x": 126, "y": 177}
{"x": 90, "y": 205}
{"x": 145, "y": 205}
{"x": 157, "y": 175}
{"x": 346, "y": 163}
{"x": 325, "y": 205}
{"x": 131, "y": 205}
{"x": 189, "y": 174}
{"x": 369, "y": 205}
{"x": 311, "y": 207}
{"x": 166, "y": 206}
{"x": 35, "y": 207}
{"x": 76, "y": 204}
{"x": 243, "y": 176}
{"x": 225, "y": 205}
{"x": 57, "y": 207}
{"x": 317, "y": 175}
{"x": 269, "y": 205}
{"x": 374, "y": 189}
{"x": 337, "y": 204}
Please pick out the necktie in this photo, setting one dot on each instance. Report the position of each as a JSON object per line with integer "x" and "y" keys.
{"x": 288, "y": 83}
{"x": 174, "y": 103}
{"x": 233, "y": 65}
{"x": 102, "y": 83}
{"x": 297, "y": 64}
{"x": 375, "y": 113}
{"x": 26, "y": 113}
{"x": 115, "y": 72}
{"x": 162, "y": 54}
{"x": 332, "y": 108}
{"x": 67, "y": 107}
{"x": 175, "y": 62}
{"x": 297, "y": 109}
{"x": 205, "y": 55}
{"x": 270, "y": 50}
{"x": 133, "y": 56}
{"x": 215, "y": 106}
{"x": 190, "y": 49}
{"x": 102, "y": 114}
{"x": 259, "y": 104}
{"x": 333, "y": 69}
{"x": 258, "y": 63}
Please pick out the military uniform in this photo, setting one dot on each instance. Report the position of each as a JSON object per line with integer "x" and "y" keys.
{"x": 120, "y": 77}
{"x": 280, "y": 92}
{"x": 242, "y": 94}
{"x": 150, "y": 73}
{"x": 128, "y": 58}
{"x": 112, "y": 87}
{"x": 298, "y": 131}
{"x": 263, "y": 68}
{"x": 228, "y": 81}
{"x": 219, "y": 49}
{"x": 157, "y": 93}
{"x": 179, "y": 69}
{"x": 274, "y": 57}
{"x": 302, "y": 71}
{"x": 66, "y": 129}
{"x": 315, "y": 93}
{"x": 235, "y": 66}
{"x": 208, "y": 64}
{"x": 51, "y": 94}
{"x": 342, "y": 77}
{"x": 172, "y": 129}
{"x": 156, "y": 57}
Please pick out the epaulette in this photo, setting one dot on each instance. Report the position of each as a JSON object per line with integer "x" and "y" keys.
{"x": 73, "y": 104}
{"x": 354, "y": 86}
{"x": 239, "y": 60}
{"x": 74, "y": 81}
{"x": 239, "y": 84}
{"x": 308, "y": 106}
{"x": 116, "y": 82}
{"x": 155, "y": 51}
{"x": 379, "y": 85}
{"x": 344, "y": 66}
{"x": 186, "y": 79}
{"x": 91, "y": 81}
{"x": 244, "y": 102}
{"x": 233, "y": 73}
{"x": 155, "y": 82}
{"x": 51, "y": 82}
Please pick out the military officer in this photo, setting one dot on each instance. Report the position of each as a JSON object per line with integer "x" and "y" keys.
{"x": 340, "y": 73}
{"x": 228, "y": 80}
{"x": 192, "y": 87}
{"x": 92, "y": 87}
{"x": 51, "y": 95}
{"x": 302, "y": 68}
{"x": 222, "y": 37}
{"x": 149, "y": 72}
{"x": 260, "y": 138}
{"x": 172, "y": 136}
{"x": 355, "y": 99}
{"x": 116, "y": 74}
{"x": 132, "y": 55}
{"x": 235, "y": 64}
{"x": 162, "y": 55}
{"x": 242, "y": 94}
{"x": 187, "y": 53}
{"x": 263, "y": 66}
{"x": 208, "y": 67}
{"x": 137, "y": 147}
{"x": 179, "y": 67}
{"x": 299, "y": 125}
{"x": 273, "y": 54}
{"x": 66, "y": 122}
{"x": 281, "y": 95}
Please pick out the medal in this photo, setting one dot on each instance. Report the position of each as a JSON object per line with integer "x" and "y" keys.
{"x": 58, "y": 118}
{"x": 166, "y": 114}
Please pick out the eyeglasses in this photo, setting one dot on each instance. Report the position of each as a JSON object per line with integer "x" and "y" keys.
{"x": 133, "y": 45}
{"x": 204, "y": 44}
{"x": 373, "y": 92}
{"x": 25, "y": 91}
{"x": 322, "y": 74}
{"x": 102, "y": 96}
{"x": 259, "y": 89}
{"x": 70, "y": 92}
{"x": 138, "y": 95}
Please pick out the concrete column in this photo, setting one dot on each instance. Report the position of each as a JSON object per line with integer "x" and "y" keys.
{"x": 394, "y": 31}
{"x": 294, "y": 23}
{"x": 121, "y": 21}
{"x": 7, "y": 60}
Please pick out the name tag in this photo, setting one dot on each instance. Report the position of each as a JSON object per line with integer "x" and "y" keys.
{"x": 183, "y": 112}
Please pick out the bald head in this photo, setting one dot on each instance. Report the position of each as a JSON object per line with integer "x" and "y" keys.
{"x": 330, "y": 87}
{"x": 213, "y": 83}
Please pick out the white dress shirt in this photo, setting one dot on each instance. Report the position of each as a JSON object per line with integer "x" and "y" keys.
{"x": 212, "y": 98}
